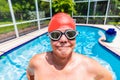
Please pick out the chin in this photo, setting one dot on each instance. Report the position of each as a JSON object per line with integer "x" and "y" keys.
{"x": 65, "y": 53}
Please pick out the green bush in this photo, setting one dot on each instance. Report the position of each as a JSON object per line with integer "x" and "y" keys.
{"x": 66, "y": 6}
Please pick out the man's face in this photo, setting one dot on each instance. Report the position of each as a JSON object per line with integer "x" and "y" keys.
{"x": 63, "y": 47}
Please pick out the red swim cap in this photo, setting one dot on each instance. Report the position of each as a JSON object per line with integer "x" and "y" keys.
{"x": 59, "y": 20}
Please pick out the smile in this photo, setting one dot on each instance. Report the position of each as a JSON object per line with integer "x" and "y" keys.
{"x": 62, "y": 47}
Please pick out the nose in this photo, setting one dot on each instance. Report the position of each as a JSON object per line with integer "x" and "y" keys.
{"x": 63, "y": 38}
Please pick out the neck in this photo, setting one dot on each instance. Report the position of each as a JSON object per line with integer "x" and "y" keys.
{"x": 59, "y": 62}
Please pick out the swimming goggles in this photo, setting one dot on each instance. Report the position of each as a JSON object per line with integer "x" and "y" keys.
{"x": 56, "y": 35}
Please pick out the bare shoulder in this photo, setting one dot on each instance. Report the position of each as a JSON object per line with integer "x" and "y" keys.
{"x": 38, "y": 56}
{"x": 84, "y": 58}
{"x": 87, "y": 60}
{"x": 90, "y": 64}
{"x": 37, "y": 59}
{"x": 94, "y": 67}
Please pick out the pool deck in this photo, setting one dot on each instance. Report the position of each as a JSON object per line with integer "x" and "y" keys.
{"x": 114, "y": 46}
{"x": 8, "y": 45}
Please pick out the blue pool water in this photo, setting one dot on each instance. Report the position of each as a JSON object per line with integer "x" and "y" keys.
{"x": 14, "y": 63}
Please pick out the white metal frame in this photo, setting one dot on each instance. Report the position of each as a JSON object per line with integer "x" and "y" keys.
{"x": 87, "y": 16}
{"x": 37, "y": 12}
{"x": 29, "y": 21}
{"x": 106, "y": 12}
{"x": 13, "y": 18}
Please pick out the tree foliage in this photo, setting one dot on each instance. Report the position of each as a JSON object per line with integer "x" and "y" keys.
{"x": 22, "y": 8}
{"x": 44, "y": 6}
{"x": 115, "y": 6}
{"x": 4, "y": 6}
{"x": 63, "y": 6}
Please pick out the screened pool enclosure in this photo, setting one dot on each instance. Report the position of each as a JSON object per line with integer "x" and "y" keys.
{"x": 18, "y": 18}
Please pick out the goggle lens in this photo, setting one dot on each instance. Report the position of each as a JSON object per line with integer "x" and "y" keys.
{"x": 55, "y": 35}
{"x": 71, "y": 34}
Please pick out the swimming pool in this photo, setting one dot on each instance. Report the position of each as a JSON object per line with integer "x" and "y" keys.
{"x": 14, "y": 63}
